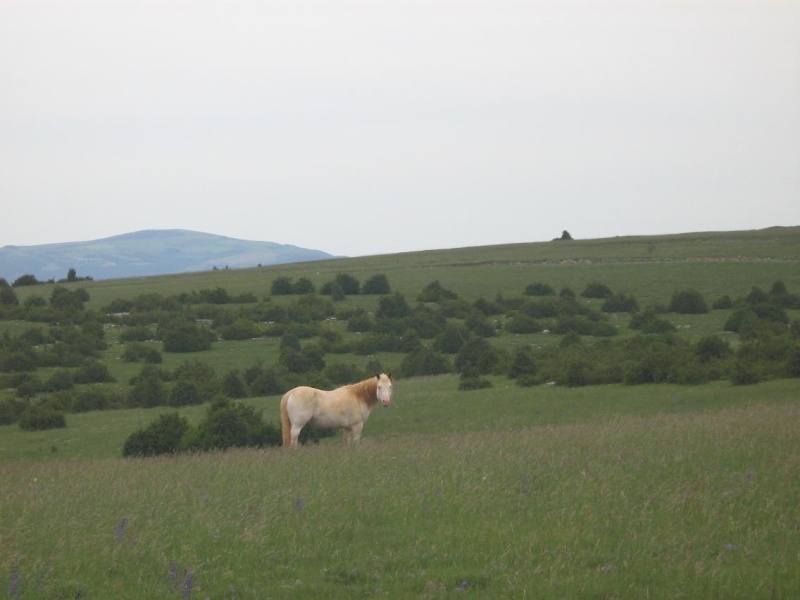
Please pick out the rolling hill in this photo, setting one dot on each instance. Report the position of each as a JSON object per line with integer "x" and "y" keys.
{"x": 148, "y": 252}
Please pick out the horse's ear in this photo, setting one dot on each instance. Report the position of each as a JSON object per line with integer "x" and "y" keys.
{"x": 389, "y": 374}
{"x": 377, "y": 376}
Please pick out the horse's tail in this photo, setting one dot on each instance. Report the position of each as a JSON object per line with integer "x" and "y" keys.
{"x": 286, "y": 424}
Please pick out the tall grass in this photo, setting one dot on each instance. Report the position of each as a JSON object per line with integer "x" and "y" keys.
{"x": 683, "y": 505}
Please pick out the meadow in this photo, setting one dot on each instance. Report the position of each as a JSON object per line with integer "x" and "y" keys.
{"x": 612, "y": 491}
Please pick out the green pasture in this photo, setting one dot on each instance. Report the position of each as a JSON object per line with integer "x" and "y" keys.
{"x": 623, "y": 492}
{"x": 660, "y": 491}
{"x": 651, "y": 267}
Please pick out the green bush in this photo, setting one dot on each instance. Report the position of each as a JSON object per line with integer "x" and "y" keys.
{"x": 539, "y": 289}
{"x": 425, "y": 361}
{"x": 229, "y": 425}
{"x": 688, "y": 302}
{"x": 376, "y": 285}
{"x": 180, "y": 335}
{"x": 620, "y": 303}
{"x": 523, "y": 324}
{"x": 39, "y": 417}
{"x": 162, "y": 436}
{"x": 473, "y": 382}
{"x": 597, "y": 290}
{"x": 523, "y": 363}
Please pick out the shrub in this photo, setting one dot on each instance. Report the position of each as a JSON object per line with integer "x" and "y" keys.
{"x": 539, "y": 289}
{"x": 229, "y": 425}
{"x": 162, "y": 436}
{"x": 688, "y": 302}
{"x": 376, "y": 285}
{"x": 136, "y": 351}
{"x": 451, "y": 338}
{"x": 93, "y": 371}
{"x": 84, "y": 400}
{"x": 722, "y": 303}
{"x": 473, "y": 382}
{"x": 148, "y": 390}
{"x": 184, "y": 393}
{"x": 184, "y": 336}
{"x": 523, "y": 363}
{"x": 241, "y": 329}
{"x": 478, "y": 356}
{"x": 620, "y": 303}
{"x": 233, "y": 386}
{"x": 424, "y": 361}
{"x": 523, "y": 324}
{"x": 282, "y": 286}
{"x": 11, "y": 409}
{"x": 39, "y": 417}
{"x": 139, "y": 333}
{"x": 597, "y": 290}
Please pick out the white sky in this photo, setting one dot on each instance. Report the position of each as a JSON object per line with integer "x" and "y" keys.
{"x": 376, "y": 126}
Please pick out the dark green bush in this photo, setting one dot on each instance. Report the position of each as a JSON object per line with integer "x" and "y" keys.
{"x": 39, "y": 417}
{"x": 162, "y": 436}
{"x": 93, "y": 371}
{"x": 473, "y": 382}
{"x": 523, "y": 363}
{"x": 523, "y": 324}
{"x": 424, "y": 361}
{"x": 597, "y": 290}
{"x": 377, "y": 285}
{"x": 180, "y": 335}
{"x": 688, "y": 302}
{"x": 231, "y": 425}
{"x": 620, "y": 303}
{"x": 539, "y": 289}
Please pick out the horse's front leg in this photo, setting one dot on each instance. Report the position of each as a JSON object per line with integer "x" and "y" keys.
{"x": 348, "y": 435}
{"x": 355, "y": 432}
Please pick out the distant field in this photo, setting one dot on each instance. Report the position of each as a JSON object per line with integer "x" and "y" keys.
{"x": 652, "y": 267}
{"x": 612, "y": 491}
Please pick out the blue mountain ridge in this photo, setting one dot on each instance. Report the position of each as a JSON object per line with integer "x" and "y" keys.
{"x": 145, "y": 253}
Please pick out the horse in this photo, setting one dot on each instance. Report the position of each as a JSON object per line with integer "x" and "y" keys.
{"x": 347, "y": 407}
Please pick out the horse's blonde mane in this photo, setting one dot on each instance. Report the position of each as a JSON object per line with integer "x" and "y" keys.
{"x": 366, "y": 391}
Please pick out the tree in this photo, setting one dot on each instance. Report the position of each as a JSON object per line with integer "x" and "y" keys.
{"x": 162, "y": 436}
{"x": 688, "y": 302}
{"x": 376, "y": 285}
{"x": 564, "y": 236}
{"x": 180, "y": 335}
{"x": 282, "y": 286}
{"x": 7, "y": 295}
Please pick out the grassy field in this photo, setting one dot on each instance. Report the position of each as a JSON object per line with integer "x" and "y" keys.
{"x": 608, "y": 492}
{"x": 508, "y": 492}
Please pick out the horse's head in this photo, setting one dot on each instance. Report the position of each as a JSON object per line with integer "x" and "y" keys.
{"x": 384, "y": 390}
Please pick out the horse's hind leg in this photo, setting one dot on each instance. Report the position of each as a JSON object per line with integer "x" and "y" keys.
{"x": 295, "y": 434}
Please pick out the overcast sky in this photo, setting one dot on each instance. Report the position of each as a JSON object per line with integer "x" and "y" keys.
{"x": 375, "y": 126}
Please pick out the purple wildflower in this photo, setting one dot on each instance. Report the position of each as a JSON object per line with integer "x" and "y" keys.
{"x": 188, "y": 585}
{"x": 14, "y": 582}
{"x": 120, "y": 531}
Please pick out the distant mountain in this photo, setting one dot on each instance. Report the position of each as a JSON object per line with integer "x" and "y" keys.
{"x": 149, "y": 252}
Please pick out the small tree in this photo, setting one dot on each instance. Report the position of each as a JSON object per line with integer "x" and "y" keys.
{"x": 376, "y": 285}
{"x": 229, "y": 425}
{"x": 688, "y": 302}
{"x": 162, "y": 436}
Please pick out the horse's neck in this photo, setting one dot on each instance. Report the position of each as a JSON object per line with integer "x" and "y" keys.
{"x": 367, "y": 392}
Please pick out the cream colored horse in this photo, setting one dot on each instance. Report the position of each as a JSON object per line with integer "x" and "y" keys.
{"x": 347, "y": 407}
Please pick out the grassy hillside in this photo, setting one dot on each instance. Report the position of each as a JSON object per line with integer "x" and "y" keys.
{"x": 606, "y": 491}
{"x": 652, "y": 266}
